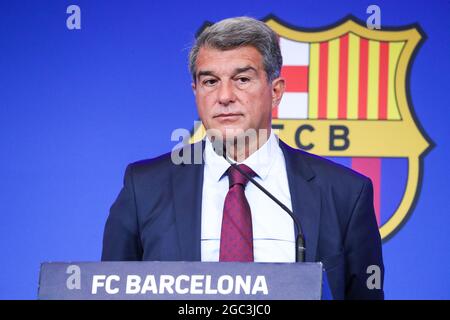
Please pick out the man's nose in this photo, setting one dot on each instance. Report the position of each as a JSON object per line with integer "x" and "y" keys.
{"x": 226, "y": 93}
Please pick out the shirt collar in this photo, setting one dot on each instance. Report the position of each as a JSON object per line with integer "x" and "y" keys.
{"x": 260, "y": 161}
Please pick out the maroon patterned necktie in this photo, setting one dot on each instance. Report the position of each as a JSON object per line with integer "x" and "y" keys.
{"x": 236, "y": 239}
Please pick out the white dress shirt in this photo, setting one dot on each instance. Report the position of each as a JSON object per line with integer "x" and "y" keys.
{"x": 273, "y": 228}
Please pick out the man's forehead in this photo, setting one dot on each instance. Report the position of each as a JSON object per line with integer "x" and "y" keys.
{"x": 238, "y": 58}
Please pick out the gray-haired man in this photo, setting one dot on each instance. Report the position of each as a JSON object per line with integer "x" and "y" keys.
{"x": 208, "y": 212}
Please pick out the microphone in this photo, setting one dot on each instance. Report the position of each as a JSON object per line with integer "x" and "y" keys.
{"x": 300, "y": 241}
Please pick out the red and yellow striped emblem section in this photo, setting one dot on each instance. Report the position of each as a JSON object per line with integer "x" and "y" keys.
{"x": 346, "y": 99}
{"x": 353, "y": 107}
{"x": 351, "y": 77}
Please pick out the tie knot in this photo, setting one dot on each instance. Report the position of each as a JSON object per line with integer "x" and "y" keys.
{"x": 235, "y": 177}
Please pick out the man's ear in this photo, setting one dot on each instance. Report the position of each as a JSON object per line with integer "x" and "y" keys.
{"x": 278, "y": 87}
{"x": 194, "y": 88}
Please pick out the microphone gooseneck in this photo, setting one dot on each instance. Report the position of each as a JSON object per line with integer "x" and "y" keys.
{"x": 300, "y": 240}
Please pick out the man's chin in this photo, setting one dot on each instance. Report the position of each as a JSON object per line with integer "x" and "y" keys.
{"x": 241, "y": 136}
{"x": 231, "y": 135}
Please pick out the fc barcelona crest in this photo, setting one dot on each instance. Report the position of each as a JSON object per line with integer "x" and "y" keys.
{"x": 347, "y": 99}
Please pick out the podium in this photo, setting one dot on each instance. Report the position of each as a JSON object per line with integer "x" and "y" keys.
{"x": 182, "y": 281}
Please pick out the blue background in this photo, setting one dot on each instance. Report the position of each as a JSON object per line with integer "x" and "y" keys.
{"x": 77, "y": 106}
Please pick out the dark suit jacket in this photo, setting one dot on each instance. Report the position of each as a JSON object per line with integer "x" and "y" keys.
{"x": 157, "y": 216}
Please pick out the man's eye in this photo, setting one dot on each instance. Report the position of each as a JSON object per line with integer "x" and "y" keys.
{"x": 209, "y": 82}
{"x": 243, "y": 80}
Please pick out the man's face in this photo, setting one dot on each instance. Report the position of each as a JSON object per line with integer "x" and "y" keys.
{"x": 232, "y": 92}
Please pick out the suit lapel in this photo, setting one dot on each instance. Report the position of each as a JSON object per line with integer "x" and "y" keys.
{"x": 305, "y": 197}
{"x": 187, "y": 188}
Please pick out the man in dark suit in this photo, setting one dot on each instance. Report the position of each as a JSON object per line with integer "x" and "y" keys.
{"x": 172, "y": 211}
